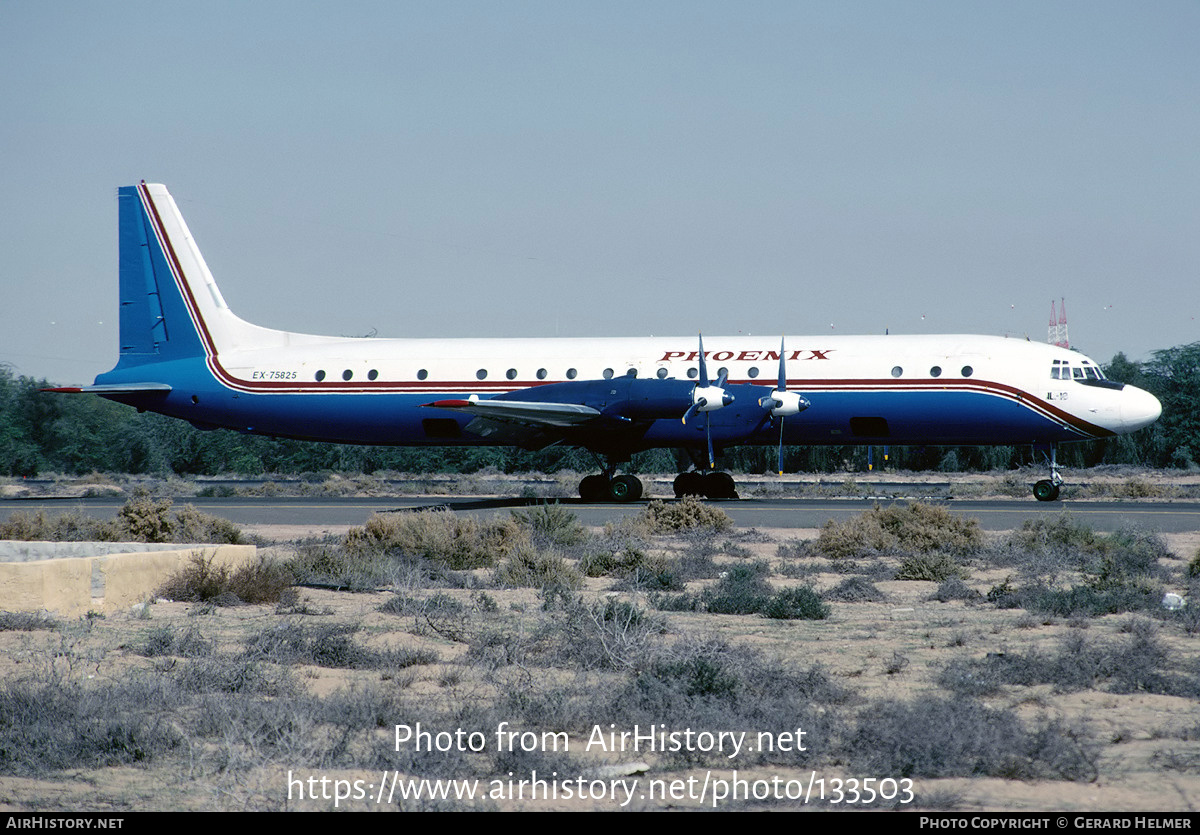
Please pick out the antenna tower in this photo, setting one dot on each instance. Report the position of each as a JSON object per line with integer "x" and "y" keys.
{"x": 1057, "y": 332}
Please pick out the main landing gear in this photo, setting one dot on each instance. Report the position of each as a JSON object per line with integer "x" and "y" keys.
{"x": 711, "y": 485}
{"x": 610, "y": 488}
{"x": 1047, "y": 489}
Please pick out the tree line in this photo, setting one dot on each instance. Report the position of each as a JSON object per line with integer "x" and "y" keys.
{"x": 51, "y": 433}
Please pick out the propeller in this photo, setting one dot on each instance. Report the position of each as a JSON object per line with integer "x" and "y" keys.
{"x": 781, "y": 403}
{"x": 708, "y": 398}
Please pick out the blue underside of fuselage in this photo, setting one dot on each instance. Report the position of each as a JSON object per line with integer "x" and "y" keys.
{"x": 838, "y": 417}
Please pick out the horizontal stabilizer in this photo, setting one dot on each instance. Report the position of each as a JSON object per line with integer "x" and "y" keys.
{"x": 113, "y": 388}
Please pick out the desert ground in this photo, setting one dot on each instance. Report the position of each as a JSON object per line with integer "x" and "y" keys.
{"x": 929, "y": 666}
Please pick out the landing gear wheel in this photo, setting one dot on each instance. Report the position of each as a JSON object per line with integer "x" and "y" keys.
{"x": 689, "y": 484}
{"x": 625, "y": 488}
{"x": 593, "y": 488}
{"x": 1045, "y": 490}
{"x": 720, "y": 486}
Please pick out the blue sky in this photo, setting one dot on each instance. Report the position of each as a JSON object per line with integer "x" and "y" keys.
{"x": 542, "y": 168}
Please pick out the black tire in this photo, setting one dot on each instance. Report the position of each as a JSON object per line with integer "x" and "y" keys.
{"x": 720, "y": 486}
{"x": 689, "y": 484}
{"x": 1045, "y": 490}
{"x": 594, "y": 488}
{"x": 625, "y": 488}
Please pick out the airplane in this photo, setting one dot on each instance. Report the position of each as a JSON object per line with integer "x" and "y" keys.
{"x": 184, "y": 353}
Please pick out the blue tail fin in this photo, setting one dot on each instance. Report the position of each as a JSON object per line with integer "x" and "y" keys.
{"x": 156, "y": 324}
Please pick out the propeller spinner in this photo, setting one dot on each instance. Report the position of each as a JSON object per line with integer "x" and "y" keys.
{"x": 781, "y": 403}
{"x": 708, "y": 398}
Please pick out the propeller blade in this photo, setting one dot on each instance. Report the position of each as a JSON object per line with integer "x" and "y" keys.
{"x": 712, "y": 459}
{"x": 779, "y": 469}
{"x": 703, "y": 365}
{"x": 782, "y": 374}
{"x": 695, "y": 407}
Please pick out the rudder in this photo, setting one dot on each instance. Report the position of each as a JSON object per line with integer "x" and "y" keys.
{"x": 155, "y": 322}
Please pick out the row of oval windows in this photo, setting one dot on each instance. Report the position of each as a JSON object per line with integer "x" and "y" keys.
{"x": 481, "y": 374}
{"x": 936, "y": 371}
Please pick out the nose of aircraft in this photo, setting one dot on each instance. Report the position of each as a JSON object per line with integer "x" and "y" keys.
{"x": 1138, "y": 409}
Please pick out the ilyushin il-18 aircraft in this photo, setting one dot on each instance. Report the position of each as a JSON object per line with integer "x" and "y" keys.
{"x": 184, "y": 353}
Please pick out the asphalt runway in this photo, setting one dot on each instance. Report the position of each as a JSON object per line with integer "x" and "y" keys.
{"x": 1163, "y": 517}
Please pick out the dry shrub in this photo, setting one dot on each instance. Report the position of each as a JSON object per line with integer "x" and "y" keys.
{"x": 261, "y": 581}
{"x": 685, "y": 514}
{"x": 72, "y": 526}
{"x": 907, "y": 528}
{"x": 141, "y": 519}
{"x": 457, "y": 542}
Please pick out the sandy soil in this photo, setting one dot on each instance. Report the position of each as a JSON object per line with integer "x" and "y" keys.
{"x": 1150, "y": 744}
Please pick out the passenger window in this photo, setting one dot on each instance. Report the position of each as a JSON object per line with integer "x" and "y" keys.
{"x": 631, "y": 372}
{"x": 753, "y": 372}
{"x": 693, "y": 373}
{"x": 347, "y": 374}
{"x": 572, "y": 373}
{"x": 481, "y": 374}
{"x": 422, "y": 374}
{"x": 661, "y": 373}
{"x": 511, "y": 373}
{"x": 372, "y": 374}
{"x": 320, "y": 375}
{"x": 608, "y": 373}
{"x": 967, "y": 371}
{"x": 936, "y": 371}
{"x": 897, "y": 371}
{"x": 541, "y": 373}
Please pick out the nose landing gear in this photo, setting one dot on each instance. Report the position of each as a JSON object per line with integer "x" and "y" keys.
{"x": 1047, "y": 489}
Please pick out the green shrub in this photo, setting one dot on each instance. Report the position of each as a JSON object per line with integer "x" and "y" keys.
{"x": 527, "y": 566}
{"x": 855, "y": 590}
{"x": 27, "y": 621}
{"x": 936, "y": 567}
{"x": 165, "y": 641}
{"x": 605, "y": 563}
{"x": 932, "y": 737}
{"x": 551, "y": 524}
{"x": 1089, "y": 601}
{"x": 955, "y": 589}
{"x": 328, "y": 645}
{"x": 796, "y": 604}
{"x": 744, "y": 590}
{"x": 1056, "y": 532}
